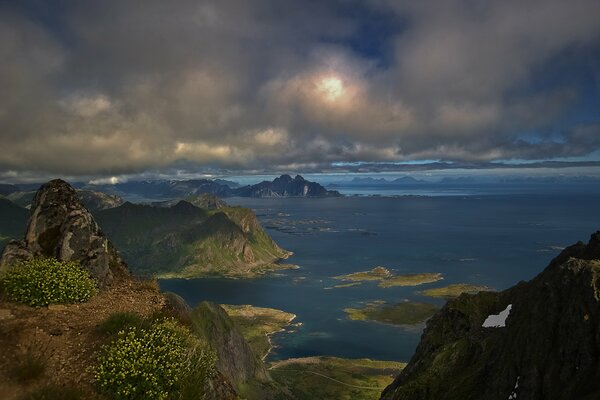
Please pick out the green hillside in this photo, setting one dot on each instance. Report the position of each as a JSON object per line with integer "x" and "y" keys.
{"x": 186, "y": 241}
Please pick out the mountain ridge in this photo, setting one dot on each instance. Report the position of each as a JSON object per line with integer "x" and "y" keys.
{"x": 549, "y": 343}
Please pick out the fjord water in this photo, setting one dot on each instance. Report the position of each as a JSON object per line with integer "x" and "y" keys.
{"x": 493, "y": 240}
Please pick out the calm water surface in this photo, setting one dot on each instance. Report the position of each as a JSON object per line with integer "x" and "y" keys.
{"x": 494, "y": 240}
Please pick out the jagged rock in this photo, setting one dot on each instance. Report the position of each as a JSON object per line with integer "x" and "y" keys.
{"x": 177, "y": 307}
{"x": 220, "y": 389}
{"x": 14, "y": 252}
{"x": 549, "y": 344}
{"x": 61, "y": 227}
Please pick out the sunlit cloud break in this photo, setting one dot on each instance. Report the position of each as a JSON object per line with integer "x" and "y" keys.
{"x": 116, "y": 88}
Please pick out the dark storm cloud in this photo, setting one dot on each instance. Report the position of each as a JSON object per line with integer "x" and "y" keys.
{"x": 117, "y": 87}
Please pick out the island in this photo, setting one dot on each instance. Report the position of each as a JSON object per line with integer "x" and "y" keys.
{"x": 387, "y": 279}
{"x": 411, "y": 279}
{"x": 455, "y": 290}
{"x": 403, "y": 313}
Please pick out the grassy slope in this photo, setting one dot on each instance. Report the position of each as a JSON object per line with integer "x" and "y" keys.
{"x": 186, "y": 241}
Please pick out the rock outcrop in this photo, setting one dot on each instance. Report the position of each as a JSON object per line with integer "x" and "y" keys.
{"x": 537, "y": 340}
{"x": 235, "y": 359}
{"x": 61, "y": 227}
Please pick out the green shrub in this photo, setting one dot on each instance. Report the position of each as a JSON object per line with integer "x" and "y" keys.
{"x": 43, "y": 281}
{"x": 153, "y": 363}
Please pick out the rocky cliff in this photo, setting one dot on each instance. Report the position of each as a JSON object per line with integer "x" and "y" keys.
{"x": 61, "y": 227}
{"x": 538, "y": 340}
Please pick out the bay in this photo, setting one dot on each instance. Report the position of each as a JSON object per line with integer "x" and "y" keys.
{"x": 492, "y": 240}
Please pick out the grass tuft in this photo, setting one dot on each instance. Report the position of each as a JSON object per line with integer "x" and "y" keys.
{"x": 120, "y": 321}
{"x": 54, "y": 392}
{"x": 30, "y": 365}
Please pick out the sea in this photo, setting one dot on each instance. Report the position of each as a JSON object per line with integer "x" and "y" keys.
{"x": 493, "y": 236}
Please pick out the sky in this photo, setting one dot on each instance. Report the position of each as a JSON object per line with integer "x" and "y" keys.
{"x": 108, "y": 88}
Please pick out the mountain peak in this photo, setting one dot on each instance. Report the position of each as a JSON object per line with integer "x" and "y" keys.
{"x": 61, "y": 227}
{"x": 285, "y": 186}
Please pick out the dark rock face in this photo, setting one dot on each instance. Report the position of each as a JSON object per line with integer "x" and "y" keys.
{"x": 61, "y": 227}
{"x": 286, "y": 186}
{"x": 550, "y": 344}
{"x": 236, "y": 360}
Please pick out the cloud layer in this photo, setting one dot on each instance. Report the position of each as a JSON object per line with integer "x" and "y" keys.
{"x": 112, "y": 87}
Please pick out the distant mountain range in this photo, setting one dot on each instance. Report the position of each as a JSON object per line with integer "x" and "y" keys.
{"x": 464, "y": 181}
{"x": 369, "y": 181}
{"x": 286, "y": 186}
{"x": 93, "y": 200}
{"x": 283, "y": 186}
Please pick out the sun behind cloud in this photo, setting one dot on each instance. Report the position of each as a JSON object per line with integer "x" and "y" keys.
{"x": 331, "y": 87}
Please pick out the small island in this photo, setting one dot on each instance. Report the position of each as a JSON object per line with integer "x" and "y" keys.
{"x": 411, "y": 279}
{"x": 343, "y": 285}
{"x": 257, "y": 323}
{"x": 335, "y": 378}
{"x": 375, "y": 274}
{"x": 455, "y": 290}
{"x": 404, "y": 313}
{"x": 387, "y": 279}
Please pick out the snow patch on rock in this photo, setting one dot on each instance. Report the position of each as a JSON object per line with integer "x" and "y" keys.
{"x": 497, "y": 320}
